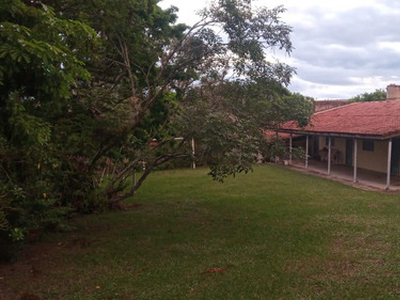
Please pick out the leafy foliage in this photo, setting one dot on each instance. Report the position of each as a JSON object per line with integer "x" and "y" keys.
{"x": 378, "y": 95}
{"x": 100, "y": 89}
{"x": 226, "y": 121}
{"x": 39, "y": 63}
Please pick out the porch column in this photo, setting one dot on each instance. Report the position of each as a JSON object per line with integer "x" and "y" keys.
{"x": 329, "y": 155}
{"x": 290, "y": 149}
{"x": 389, "y": 164}
{"x": 306, "y": 164}
{"x": 355, "y": 161}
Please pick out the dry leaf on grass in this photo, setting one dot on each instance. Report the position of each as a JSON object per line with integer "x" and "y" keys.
{"x": 216, "y": 270}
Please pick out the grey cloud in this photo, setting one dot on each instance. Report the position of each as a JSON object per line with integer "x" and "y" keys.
{"x": 357, "y": 59}
{"x": 328, "y": 56}
{"x": 331, "y": 76}
{"x": 345, "y": 45}
{"x": 359, "y": 27}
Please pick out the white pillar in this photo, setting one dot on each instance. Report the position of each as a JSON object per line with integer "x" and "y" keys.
{"x": 306, "y": 164}
{"x": 193, "y": 153}
{"x": 329, "y": 155}
{"x": 355, "y": 161}
{"x": 290, "y": 148}
{"x": 389, "y": 164}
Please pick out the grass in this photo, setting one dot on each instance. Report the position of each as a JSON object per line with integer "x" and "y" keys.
{"x": 285, "y": 235}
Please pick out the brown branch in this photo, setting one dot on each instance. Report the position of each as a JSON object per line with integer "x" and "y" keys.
{"x": 159, "y": 161}
{"x": 125, "y": 56}
{"x": 109, "y": 189}
{"x": 143, "y": 107}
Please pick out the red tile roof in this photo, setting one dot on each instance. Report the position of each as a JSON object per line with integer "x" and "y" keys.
{"x": 380, "y": 119}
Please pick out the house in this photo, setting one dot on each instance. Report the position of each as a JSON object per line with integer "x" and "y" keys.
{"x": 361, "y": 135}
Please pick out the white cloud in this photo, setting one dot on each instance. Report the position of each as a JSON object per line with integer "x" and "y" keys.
{"x": 394, "y": 46}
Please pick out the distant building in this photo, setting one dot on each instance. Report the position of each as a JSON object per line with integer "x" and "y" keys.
{"x": 360, "y": 134}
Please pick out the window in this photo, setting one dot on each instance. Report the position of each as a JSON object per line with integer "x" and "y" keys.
{"x": 368, "y": 145}
{"x": 332, "y": 141}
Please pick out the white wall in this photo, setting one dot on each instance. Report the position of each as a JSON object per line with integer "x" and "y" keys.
{"x": 373, "y": 160}
{"x": 370, "y": 160}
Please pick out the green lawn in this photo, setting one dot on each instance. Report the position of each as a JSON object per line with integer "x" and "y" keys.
{"x": 285, "y": 235}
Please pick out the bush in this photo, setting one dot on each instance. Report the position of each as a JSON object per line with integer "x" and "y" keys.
{"x": 42, "y": 200}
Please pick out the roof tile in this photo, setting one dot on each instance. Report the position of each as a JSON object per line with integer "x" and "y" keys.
{"x": 380, "y": 118}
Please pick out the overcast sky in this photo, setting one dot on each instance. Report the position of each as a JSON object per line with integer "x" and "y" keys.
{"x": 342, "y": 48}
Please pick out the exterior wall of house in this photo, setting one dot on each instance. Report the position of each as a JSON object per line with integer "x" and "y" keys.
{"x": 340, "y": 145}
{"x": 373, "y": 160}
{"x": 321, "y": 142}
{"x": 370, "y": 160}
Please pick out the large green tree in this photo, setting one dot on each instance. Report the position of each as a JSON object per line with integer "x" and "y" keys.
{"x": 148, "y": 66}
{"x": 104, "y": 86}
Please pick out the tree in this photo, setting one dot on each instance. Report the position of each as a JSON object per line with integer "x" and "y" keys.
{"x": 378, "y": 95}
{"x": 40, "y": 60}
{"x": 227, "y": 124}
{"x": 89, "y": 85}
{"x": 153, "y": 66}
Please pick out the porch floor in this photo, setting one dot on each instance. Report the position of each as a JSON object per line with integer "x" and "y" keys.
{"x": 365, "y": 179}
